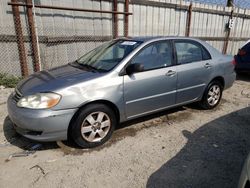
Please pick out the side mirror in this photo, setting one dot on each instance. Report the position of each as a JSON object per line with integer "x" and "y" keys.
{"x": 132, "y": 68}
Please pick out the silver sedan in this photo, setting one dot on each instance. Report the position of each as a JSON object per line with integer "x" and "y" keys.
{"x": 118, "y": 81}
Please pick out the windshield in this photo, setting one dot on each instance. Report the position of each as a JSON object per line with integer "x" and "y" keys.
{"x": 108, "y": 55}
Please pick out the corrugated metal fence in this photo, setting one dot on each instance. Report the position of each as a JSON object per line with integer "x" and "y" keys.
{"x": 208, "y": 22}
{"x": 66, "y": 29}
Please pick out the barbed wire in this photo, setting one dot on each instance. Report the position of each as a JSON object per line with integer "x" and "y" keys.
{"x": 244, "y": 4}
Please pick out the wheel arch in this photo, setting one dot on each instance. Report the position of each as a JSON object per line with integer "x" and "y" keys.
{"x": 219, "y": 79}
{"x": 111, "y": 105}
{"x": 203, "y": 103}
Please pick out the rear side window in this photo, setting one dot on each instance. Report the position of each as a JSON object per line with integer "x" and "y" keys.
{"x": 188, "y": 52}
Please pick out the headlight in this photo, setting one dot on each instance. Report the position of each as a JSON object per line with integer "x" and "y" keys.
{"x": 39, "y": 101}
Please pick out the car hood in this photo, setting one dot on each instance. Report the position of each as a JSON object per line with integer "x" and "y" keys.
{"x": 54, "y": 79}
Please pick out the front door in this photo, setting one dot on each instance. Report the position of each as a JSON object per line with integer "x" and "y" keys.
{"x": 154, "y": 88}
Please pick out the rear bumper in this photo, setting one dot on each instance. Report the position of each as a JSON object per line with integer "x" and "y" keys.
{"x": 41, "y": 125}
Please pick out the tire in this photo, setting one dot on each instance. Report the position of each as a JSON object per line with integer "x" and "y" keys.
{"x": 212, "y": 95}
{"x": 87, "y": 131}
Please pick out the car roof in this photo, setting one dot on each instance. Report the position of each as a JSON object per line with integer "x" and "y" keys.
{"x": 214, "y": 52}
{"x": 148, "y": 38}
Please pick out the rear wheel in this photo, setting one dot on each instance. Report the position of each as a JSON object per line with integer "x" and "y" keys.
{"x": 212, "y": 95}
{"x": 94, "y": 125}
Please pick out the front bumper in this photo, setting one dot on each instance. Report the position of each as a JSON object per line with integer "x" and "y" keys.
{"x": 41, "y": 125}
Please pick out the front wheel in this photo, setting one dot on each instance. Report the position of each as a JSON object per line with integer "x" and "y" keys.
{"x": 93, "y": 126}
{"x": 212, "y": 95}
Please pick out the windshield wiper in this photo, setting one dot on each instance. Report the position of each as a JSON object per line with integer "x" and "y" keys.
{"x": 90, "y": 67}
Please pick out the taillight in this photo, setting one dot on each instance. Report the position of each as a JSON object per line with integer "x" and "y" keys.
{"x": 242, "y": 52}
{"x": 234, "y": 62}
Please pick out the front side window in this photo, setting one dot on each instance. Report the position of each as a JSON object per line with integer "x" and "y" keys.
{"x": 155, "y": 55}
{"x": 188, "y": 52}
{"x": 108, "y": 55}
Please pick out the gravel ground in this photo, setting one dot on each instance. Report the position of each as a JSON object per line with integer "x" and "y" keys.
{"x": 183, "y": 147}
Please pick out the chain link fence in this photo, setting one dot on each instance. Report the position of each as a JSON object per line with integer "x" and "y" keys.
{"x": 66, "y": 35}
{"x": 57, "y": 32}
{"x": 9, "y": 54}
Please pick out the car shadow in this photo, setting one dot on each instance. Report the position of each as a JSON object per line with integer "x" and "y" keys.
{"x": 24, "y": 143}
{"x": 212, "y": 157}
{"x": 151, "y": 116}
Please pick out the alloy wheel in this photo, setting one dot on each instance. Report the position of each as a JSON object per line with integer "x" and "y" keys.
{"x": 95, "y": 126}
{"x": 213, "y": 96}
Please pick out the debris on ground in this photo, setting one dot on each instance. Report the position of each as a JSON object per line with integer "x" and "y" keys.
{"x": 25, "y": 153}
{"x": 51, "y": 160}
{"x": 20, "y": 154}
{"x": 36, "y": 146}
{"x": 245, "y": 93}
{"x": 38, "y": 167}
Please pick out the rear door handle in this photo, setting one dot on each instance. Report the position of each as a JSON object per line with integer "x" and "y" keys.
{"x": 170, "y": 73}
{"x": 207, "y": 65}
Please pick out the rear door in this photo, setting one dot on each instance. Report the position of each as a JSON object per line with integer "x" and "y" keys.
{"x": 194, "y": 69}
{"x": 154, "y": 88}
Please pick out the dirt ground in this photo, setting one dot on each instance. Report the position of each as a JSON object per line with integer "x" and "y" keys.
{"x": 183, "y": 147}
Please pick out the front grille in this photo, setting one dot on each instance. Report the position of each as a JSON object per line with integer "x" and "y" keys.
{"x": 34, "y": 133}
{"x": 17, "y": 95}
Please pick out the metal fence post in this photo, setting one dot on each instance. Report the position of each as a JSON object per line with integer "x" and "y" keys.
{"x": 224, "y": 50}
{"x": 189, "y": 17}
{"x": 20, "y": 40}
{"x": 33, "y": 37}
{"x": 126, "y": 18}
{"x": 115, "y": 20}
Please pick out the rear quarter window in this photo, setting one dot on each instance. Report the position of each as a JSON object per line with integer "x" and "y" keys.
{"x": 205, "y": 54}
{"x": 190, "y": 51}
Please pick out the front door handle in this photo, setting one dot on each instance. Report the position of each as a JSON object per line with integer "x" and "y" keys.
{"x": 170, "y": 73}
{"x": 207, "y": 65}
